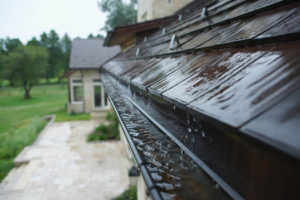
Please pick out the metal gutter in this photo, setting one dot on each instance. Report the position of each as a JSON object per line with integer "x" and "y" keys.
{"x": 232, "y": 193}
{"x": 150, "y": 185}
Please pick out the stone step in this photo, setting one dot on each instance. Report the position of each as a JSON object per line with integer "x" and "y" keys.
{"x": 11, "y": 195}
{"x": 27, "y": 173}
{"x": 12, "y": 178}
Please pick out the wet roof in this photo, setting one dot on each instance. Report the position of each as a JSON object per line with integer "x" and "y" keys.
{"x": 233, "y": 65}
{"x": 90, "y": 53}
{"x": 123, "y": 33}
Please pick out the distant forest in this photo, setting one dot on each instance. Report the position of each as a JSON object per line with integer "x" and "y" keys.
{"x": 58, "y": 55}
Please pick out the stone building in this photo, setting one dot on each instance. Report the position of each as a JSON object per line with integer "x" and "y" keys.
{"x": 86, "y": 93}
{"x": 153, "y": 9}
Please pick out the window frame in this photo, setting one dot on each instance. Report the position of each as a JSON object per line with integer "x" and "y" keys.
{"x": 72, "y": 90}
{"x": 102, "y": 106}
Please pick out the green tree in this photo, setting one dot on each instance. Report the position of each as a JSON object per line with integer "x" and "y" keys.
{"x": 52, "y": 43}
{"x": 28, "y": 64}
{"x": 119, "y": 12}
{"x": 66, "y": 45}
{"x": 33, "y": 42}
{"x": 7, "y": 46}
{"x": 11, "y": 44}
{"x": 96, "y": 36}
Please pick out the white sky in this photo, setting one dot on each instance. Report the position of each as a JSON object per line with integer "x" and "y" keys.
{"x": 24, "y": 19}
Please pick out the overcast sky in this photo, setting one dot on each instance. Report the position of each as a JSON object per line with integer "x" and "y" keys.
{"x": 24, "y": 19}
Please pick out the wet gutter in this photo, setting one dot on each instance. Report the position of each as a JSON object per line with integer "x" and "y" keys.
{"x": 141, "y": 166}
{"x": 167, "y": 168}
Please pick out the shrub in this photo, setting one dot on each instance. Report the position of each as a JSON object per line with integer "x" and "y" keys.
{"x": 129, "y": 194}
{"x": 109, "y": 132}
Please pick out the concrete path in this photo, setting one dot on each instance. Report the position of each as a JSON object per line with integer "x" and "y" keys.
{"x": 60, "y": 165}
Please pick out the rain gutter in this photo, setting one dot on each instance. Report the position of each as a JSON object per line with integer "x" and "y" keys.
{"x": 141, "y": 166}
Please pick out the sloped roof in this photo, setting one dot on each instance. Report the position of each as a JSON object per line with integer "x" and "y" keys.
{"x": 122, "y": 33}
{"x": 223, "y": 84}
{"x": 90, "y": 53}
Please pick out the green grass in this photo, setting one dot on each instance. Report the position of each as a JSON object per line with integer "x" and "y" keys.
{"x": 130, "y": 194}
{"x": 13, "y": 143}
{"x": 62, "y": 115}
{"x": 14, "y": 109}
{"x": 109, "y": 132}
{"x": 20, "y": 120}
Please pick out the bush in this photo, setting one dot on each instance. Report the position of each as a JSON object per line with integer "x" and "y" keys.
{"x": 129, "y": 194}
{"x": 109, "y": 132}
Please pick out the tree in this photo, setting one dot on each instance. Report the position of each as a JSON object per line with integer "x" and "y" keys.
{"x": 96, "y": 36}
{"x": 66, "y": 45}
{"x": 7, "y": 46}
{"x": 28, "y": 64}
{"x": 51, "y": 42}
{"x": 33, "y": 42}
{"x": 119, "y": 13}
{"x": 11, "y": 44}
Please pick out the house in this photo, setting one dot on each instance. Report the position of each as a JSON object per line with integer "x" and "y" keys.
{"x": 209, "y": 101}
{"x": 86, "y": 92}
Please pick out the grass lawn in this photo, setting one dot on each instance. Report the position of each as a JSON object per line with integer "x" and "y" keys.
{"x": 14, "y": 109}
{"x": 20, "y": 120}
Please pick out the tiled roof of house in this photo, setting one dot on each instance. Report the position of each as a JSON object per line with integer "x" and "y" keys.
{"x": 222, "y": 83}
{"x": 90, "y": 53}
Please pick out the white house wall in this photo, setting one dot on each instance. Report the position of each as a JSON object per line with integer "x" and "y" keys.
{"x": 87, "y": 105}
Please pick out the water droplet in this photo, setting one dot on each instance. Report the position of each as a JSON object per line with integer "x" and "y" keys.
{"x": 203, "y": 134}
{"x": 217, "y": 186}
{"x": 174, "y": 107}
{"x": 194, "y": 119}
{"x": 196, "y": 129}
{"x": 193, "y": 139}
{"x": 189, "y": 130}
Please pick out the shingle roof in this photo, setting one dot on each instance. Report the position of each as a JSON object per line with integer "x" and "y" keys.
{"x": 90, "y": 53}
{"x": 227, "y": 89}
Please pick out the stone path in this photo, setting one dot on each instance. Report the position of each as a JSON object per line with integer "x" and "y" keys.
{"x": 60, "y": 165}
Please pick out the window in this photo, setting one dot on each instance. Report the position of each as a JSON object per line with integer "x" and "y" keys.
{"x": 100, "y": 97}
{"x": 76, "y": 90}
{"x": 97, "y": 95}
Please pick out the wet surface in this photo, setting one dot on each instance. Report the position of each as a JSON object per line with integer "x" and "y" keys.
{"x": 250, "y": 28}
{"x": 160, "y": 70}
{"x": 217, "y": 72}
{"x": 249, "y": 90}
{"x": 280, "y": 124}
{"x": 222, "y": 151}
{"x": 62, "y": 165}
{"x": 214, "y": 32}
{"x": 175, "y": 175}
{"x": 287, "y": 26}
{"x": 230, "y": 93}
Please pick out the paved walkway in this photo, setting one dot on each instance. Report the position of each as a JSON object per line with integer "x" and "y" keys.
{"x": 62, "y": 166}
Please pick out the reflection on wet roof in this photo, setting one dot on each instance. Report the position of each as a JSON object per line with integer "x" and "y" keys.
{"x": 237, "y": 69}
